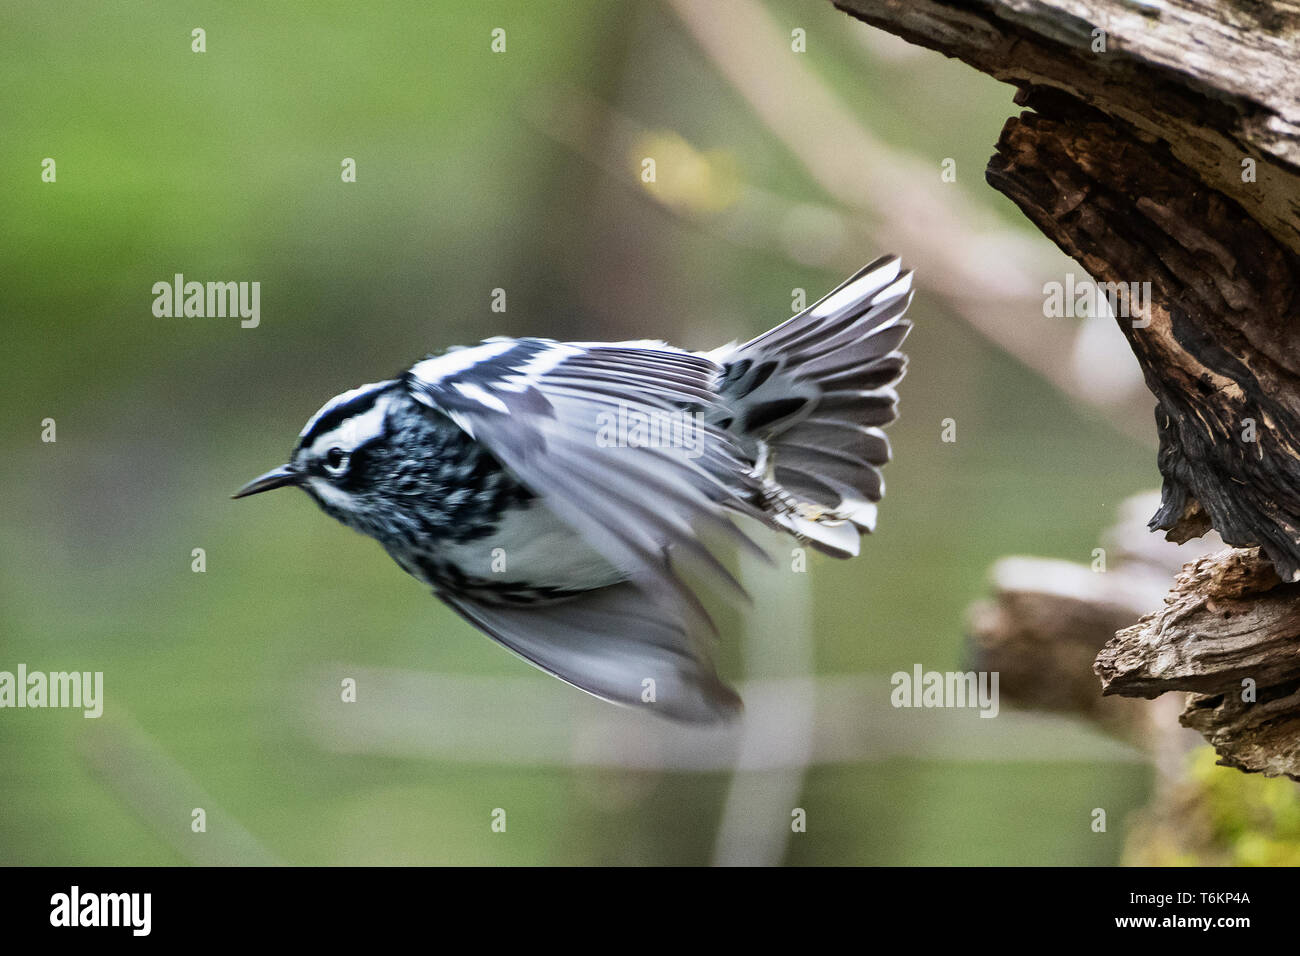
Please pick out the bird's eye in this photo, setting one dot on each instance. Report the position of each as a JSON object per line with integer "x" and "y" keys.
{"x": 336, "y": 461}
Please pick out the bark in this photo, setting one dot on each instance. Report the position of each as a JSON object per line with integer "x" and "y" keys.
{"x": 1162, "y": 145}
{"x": 1230, "y": 633}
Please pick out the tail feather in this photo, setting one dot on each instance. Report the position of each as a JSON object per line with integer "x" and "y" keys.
{"x": 860, "y": 441}
{"x": 810, "y": 398}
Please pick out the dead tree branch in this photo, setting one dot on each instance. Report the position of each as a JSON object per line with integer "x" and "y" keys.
{"x": 1162, "y": 146}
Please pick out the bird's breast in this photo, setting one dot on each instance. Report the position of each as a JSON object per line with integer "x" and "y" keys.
{"x": 529, "y": 555}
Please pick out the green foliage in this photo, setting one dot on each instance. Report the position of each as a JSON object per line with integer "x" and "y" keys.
{"x": 1254, "y": 820}
{"x": 1219, "y": 816}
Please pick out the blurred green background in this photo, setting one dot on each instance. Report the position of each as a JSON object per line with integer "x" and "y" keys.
{"x": 475, "y": 171}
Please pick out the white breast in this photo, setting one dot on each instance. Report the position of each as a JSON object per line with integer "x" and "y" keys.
{"x": 532, "y": 547}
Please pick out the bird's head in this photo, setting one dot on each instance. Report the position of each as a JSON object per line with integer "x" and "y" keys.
{"x": 393, "y": 467}
{"x": 356, "y": 458}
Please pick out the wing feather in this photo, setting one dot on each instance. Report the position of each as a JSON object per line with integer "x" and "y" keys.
{"x": 609, "y": 642}
{"x": 637, "y": 506}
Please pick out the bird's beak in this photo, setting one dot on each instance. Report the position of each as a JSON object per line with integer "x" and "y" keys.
{"x": 276, "y": 478}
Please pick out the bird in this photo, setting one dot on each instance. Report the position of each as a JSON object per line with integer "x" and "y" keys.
{"x": 570, "y": 499}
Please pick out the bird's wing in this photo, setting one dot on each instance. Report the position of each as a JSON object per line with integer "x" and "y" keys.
{"x": 556, "y": 415}
{"x": 613, "y": 644}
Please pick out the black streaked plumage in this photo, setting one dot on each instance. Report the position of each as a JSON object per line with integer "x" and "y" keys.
{"x": 515, "y": 478}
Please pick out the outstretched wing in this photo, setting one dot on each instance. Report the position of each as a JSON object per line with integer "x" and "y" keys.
{"x": 616, "y": 645}
{"x": 564, "y": 418}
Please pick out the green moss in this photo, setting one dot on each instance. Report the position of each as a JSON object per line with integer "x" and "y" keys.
{"x": 1254, "y": 819}
{"x": 1219, "y": 816}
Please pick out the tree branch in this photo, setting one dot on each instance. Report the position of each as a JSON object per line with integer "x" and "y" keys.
{"x": 1163, "y": 150}
{"x": 1230, "y": 632}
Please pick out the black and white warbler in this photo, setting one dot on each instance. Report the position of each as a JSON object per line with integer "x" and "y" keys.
{"x": 550, "y": 492}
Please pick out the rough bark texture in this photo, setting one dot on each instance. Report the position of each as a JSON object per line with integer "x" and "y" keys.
{"x": 1132, "y": 164}
{"x": 1213, "y": 79}
{"x": 1227, "y": 619}
{"x": 1163, "y": 147}
{"x": 1230, "y": 633}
